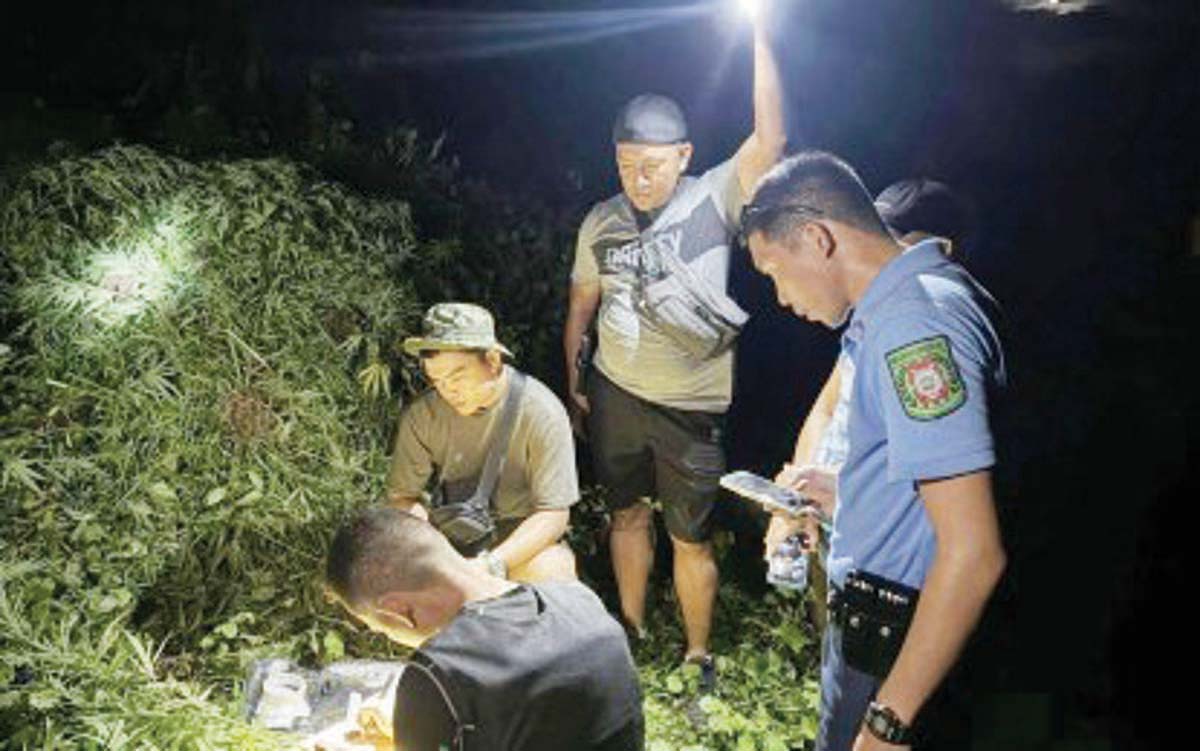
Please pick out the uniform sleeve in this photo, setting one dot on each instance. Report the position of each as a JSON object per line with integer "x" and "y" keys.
{"x": 932, "y": 385}
{"x": 422, "y": 721}
{"x": 412, "y": 459}
{"x": 585, "y": 269}
{"x": 550, "y": 456}
{"x": 723, "y": 182}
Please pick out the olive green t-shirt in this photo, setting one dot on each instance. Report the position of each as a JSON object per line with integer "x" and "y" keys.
{"x": 436, "y": 444}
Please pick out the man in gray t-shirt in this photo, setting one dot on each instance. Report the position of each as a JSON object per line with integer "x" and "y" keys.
{"x": 653, "y": 263}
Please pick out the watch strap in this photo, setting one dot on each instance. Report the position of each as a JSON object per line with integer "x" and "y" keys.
{"x": 883, "y": 723}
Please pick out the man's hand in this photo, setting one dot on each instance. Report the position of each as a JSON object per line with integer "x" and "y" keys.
{"x": 818, "y": 484}
{"x": 373, "y": 731}
{"x": 782, "y": 527}
{"x": 867, "y": 742}
{"x": 409, "y": 506}
{"x": 479, "y": 563}
{"x": 578, "y": 409}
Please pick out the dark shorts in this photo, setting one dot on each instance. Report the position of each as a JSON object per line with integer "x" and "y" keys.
{"x": 641, "y": 449}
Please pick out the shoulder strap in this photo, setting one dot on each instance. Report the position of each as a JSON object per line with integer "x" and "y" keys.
{"x": 498, "y": 451}
{"x": 427, "y": 666}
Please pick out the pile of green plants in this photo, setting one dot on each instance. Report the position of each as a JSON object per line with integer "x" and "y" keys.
{"x": 198, "y": 378}
{"x": 193, "y": 395}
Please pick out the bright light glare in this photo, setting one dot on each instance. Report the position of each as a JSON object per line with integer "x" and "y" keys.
{"x": 119, "y": 283}
{"x": 751, "y": 8}
{"x": 1058, "y": 7}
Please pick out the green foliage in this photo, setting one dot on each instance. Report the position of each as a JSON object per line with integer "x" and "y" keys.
{"x": 196, "y": 383}
{"x": 182, "y": 425}
{"x": 766, "y": 691}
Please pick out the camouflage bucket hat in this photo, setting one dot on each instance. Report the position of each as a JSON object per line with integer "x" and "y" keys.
{"x": 455, "y": 325}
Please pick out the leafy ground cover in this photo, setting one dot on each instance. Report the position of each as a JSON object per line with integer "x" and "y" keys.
{"x": 198, "y": 378}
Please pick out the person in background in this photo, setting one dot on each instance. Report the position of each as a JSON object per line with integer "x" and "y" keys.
{"x": 653, "y": 263}
{"x": 501, "y": 666}
{"x": 915, "y": 551}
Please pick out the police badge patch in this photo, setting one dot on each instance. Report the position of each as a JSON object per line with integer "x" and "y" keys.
{"x": 926, "y": 378}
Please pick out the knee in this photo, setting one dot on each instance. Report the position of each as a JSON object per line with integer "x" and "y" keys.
{"x": 555, "y": 563}
{"x": 637, "y": 516}
{"x": 691, "y": 550}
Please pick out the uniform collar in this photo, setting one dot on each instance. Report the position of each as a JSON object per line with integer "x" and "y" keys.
{"x": 926, "y": 254}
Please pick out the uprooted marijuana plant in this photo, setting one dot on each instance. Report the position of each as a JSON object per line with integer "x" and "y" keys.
{"x": 198, "y": 378}
{"x": 192, "y": 396}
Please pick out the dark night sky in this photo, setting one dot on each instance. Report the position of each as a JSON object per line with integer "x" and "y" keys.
{"x": 1077, "y": 135}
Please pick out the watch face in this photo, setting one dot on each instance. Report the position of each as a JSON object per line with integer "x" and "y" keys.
{"x": 885, "y": 725}
{"x": 878, "y": 723}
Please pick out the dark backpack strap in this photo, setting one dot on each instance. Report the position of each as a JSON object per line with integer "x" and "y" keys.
{"x": 498, "y": 451}
{"x": 444, "y": 685}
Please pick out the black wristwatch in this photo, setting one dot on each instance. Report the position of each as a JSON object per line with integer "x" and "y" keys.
{"x": 883, "y": 723}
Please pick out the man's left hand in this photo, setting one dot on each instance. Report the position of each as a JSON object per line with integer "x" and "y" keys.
{"x": 479, "y": 563}
{"x": 867, "y": 742}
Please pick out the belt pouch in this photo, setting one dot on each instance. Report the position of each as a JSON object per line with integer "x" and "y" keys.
{"x": 874, "y": 614}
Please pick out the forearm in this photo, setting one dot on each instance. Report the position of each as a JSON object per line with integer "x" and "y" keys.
{"x": 573, "y": 333}
{"x": 584, "y": 300}
{"x": 955, "y": 593}
{"x": 819, "y": 417}
{"x": 769, "y": 127}
{"x": 536, "y": 533}
{"x": 766, "y": 144}
{"x": 810, "y": 434}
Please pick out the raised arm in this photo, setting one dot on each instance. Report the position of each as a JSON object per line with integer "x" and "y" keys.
{"x": 765, "y": 145}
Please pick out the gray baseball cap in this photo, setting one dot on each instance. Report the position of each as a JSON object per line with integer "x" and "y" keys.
{"x": 650, "y": 118}
{"x": 455, "y": 325}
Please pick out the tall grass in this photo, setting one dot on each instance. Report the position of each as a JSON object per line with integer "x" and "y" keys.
{"x": 192, "y": 395}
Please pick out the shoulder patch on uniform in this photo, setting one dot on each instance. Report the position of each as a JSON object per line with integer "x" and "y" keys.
{"x": 926, "y": 378}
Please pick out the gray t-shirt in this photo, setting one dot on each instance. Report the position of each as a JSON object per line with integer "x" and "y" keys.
{"x": 436, "y": 444}
{"x": 697, "y": 225}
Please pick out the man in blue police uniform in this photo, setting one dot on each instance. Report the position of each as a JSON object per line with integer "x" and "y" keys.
{"x": 914, "y": 209}
{"x": 915, "y": 551}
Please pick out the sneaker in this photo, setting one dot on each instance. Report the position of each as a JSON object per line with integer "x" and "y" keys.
{"x": 708, "y": 672}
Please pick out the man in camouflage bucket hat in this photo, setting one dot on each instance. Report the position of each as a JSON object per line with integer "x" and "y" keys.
{"x": 443, "y": 438}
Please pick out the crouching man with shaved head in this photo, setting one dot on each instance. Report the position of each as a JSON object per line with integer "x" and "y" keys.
{"x": 501, "y": 666}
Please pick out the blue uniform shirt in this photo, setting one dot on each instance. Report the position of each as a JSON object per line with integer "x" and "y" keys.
{"x": 925, "y": 359}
